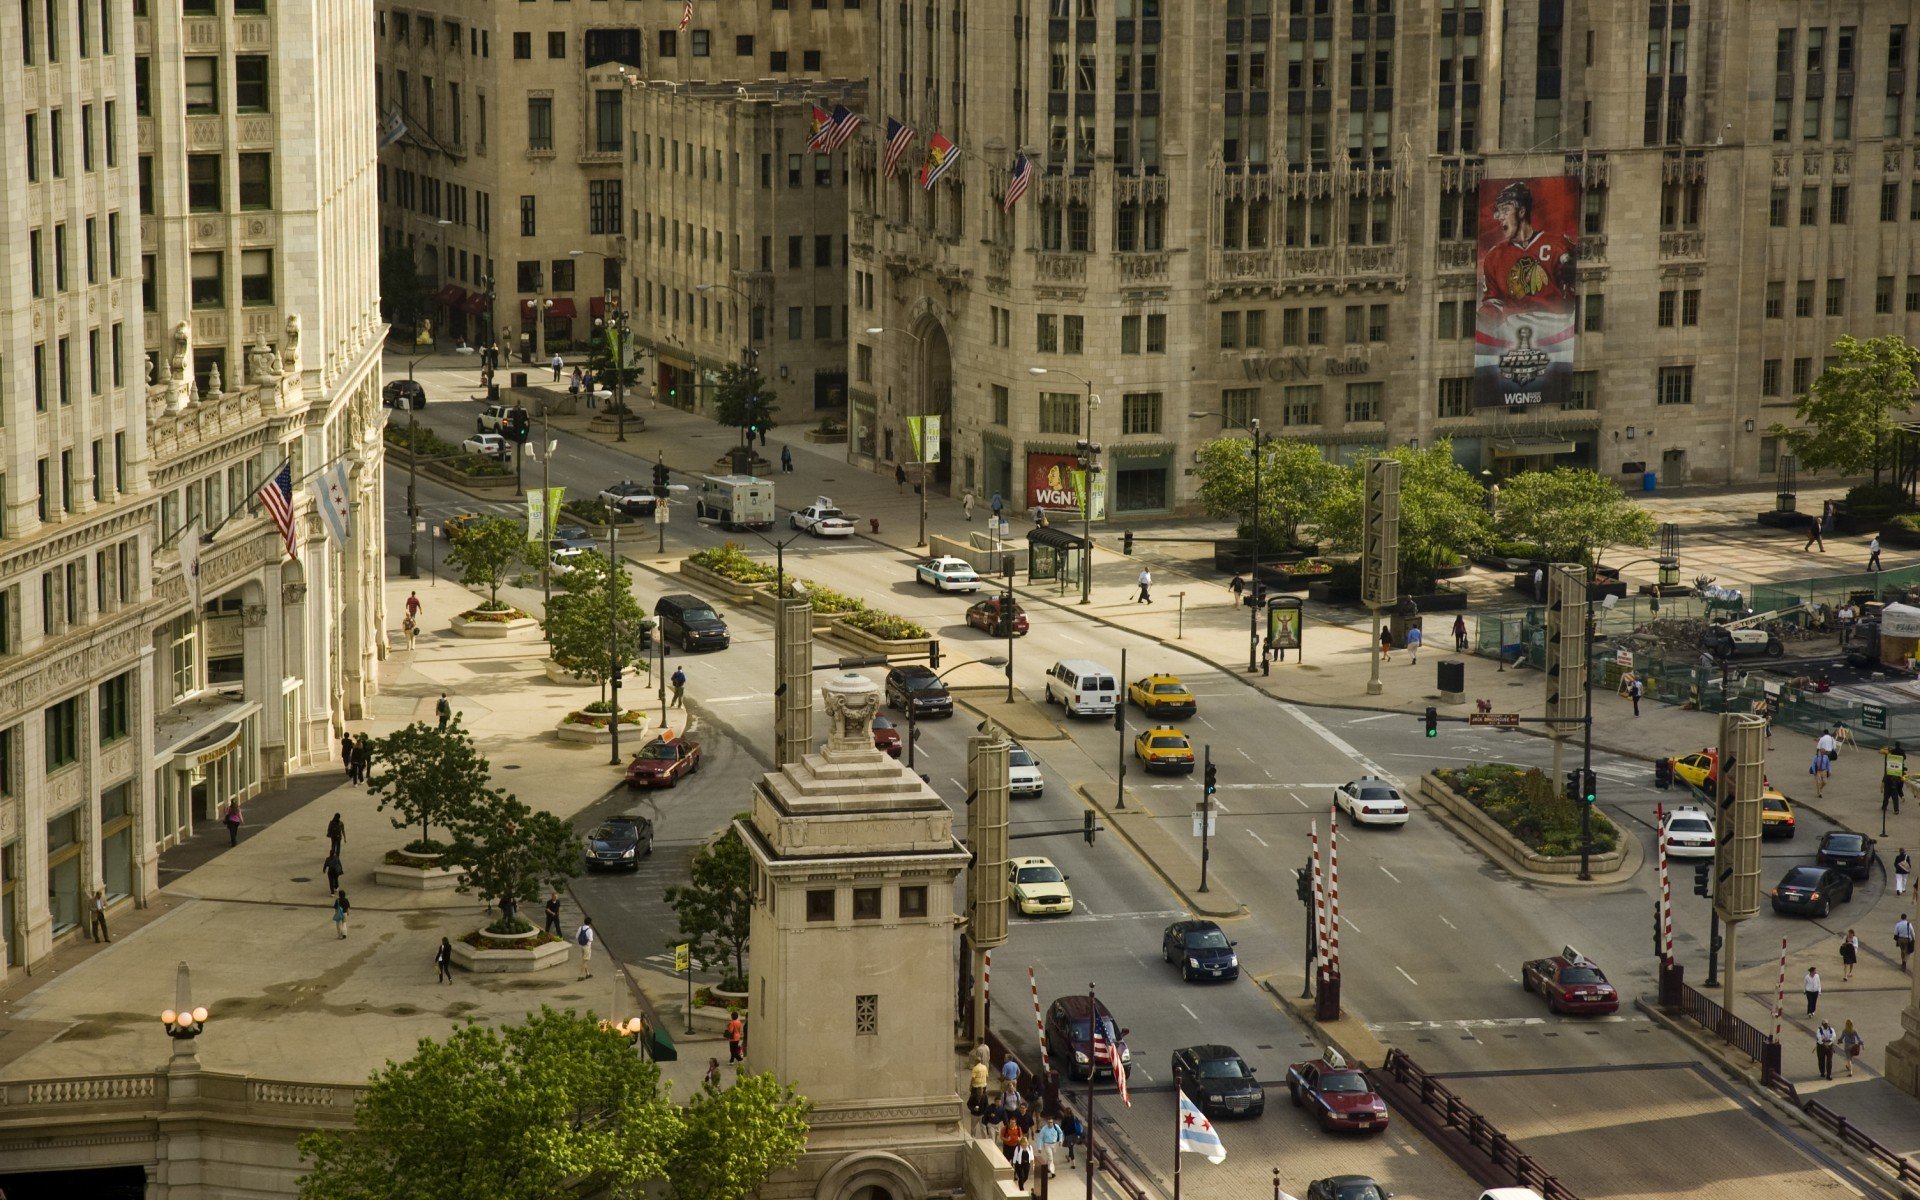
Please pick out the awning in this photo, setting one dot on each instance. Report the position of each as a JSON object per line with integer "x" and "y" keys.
{"x": 451, "y": 296}
{"x": 561, "y": 308}
{"x": 1528, "y": 447}
{"x": 596, "y": 305}
{"x": 476, "y": 303}
{"x": 208, "y": 746}
{"x": 1048, "y": 535}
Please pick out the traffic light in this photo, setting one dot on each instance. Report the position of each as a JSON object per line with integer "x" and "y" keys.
{"x": 1433, "y": 721}
{"x": 1572, "y": 786}
{"x": 1213, "y": 779}
{"x": 1590, "y": 790}
{"x": 933, "y": 654}
{"x": 660, "y": 477}
{"x": 1700, "y": 870}
{"x": 1086, "y": 826}
{"x": 1303, "y": 884}
{"x": 1087, "y": 455}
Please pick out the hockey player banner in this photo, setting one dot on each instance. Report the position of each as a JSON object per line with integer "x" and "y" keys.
{"x": 1524, "y": 333}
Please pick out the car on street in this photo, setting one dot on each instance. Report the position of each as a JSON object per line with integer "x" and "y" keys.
{"x": 1023, "y": 772}
{"x": 630, "y": 498}
{"x": 494, "y": 417}
{"x": 572, "y": 537}
{"x": 403, "y": 394}
{"x": 664, "y": 762}
{"x": 1037, "y": 888}
{"x": 886, "y": 736}
{"x": 1698, "y": 769}
{"x": 1339, "y": 1095}
{"x": 1162, "y": 696}
{"x": 619, "y": 843}
{"x": 1689, "y": 833}
{"x": 1571, "y": 983}
{"x": 987, "y": 616}
{"x": 1200, "y": 949}
{"x": 1347, "y": 1187}
{"x": 1844, "y": 850}
{"x": 458, "y": 522}
{"x": 1372, "y": 801}
{"x": 1218, "y": 1081}
{"x": 563, "y": 560}
{"x": 1164, "y": 748}
{"x": 490, "y": 445}
{"x": 690, "y": 623}
{"x": 822, "y": 518}
{"x": 919, "y": 687}
{"x": 1776, "y": 815}
{"x": 947, "y": 574}
{"x": 1811, "y": 891}
{"x": 1069, "y": 1030}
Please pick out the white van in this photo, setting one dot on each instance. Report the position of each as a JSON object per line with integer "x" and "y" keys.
{"x": 1083, "y": 687}
{"x": 1510, "y": 1193}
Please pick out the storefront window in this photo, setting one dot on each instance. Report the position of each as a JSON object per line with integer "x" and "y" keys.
{"x": 1140, "y": 487}
{"x": 63, "y": 871}
{"x": 116, "y": 840}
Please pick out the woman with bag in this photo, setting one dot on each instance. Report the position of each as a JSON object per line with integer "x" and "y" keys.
{"x": 1852, "y": 1043}
{"x": 1849, "y": 954}
{"x": 233, "y": 820}
{"x": 340, "y": 910}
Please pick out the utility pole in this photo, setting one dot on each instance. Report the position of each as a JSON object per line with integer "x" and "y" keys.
{"x": 547, "y": 516}
{"x": 1380, "y": 551}
{"x": 1120, "y": 727}
{"x": 613, "y": 630}
{"x": 1566, "y": 655}
{"x": 1210, "y": 783}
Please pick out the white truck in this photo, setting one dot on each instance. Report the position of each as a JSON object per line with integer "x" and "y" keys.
{"x": 735, "y": 501}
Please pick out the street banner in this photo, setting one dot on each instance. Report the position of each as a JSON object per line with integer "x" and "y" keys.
{"x": 190, "y": 564}
{"x": 925, "y": 432}
{"x": 543, "y": 512}
{"x": 1524, "y": 332}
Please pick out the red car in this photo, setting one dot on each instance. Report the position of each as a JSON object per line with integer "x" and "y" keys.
{"x": 886, "y": 736}
{"x": 1571, "y": 983}
{"x": 1340, "y": 1095}
{"x": 663, "y": 761}
{"x": 986, "y": 615}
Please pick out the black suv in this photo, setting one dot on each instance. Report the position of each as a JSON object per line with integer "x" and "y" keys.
{"x": 1069, "y": 1034}
{"x": 619, "y": 843}
{"x": 403, "y": 393}
{"x": 690, "y": 623}
{"x": 921, "y": 688}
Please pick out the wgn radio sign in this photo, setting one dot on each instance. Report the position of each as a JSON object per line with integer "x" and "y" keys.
{"x": 1287, "y": 370}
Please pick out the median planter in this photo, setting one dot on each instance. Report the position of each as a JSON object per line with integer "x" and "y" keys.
{"x": 1514, "y": 853}
{"x": 416, "y": 872}
{"x": 596, "y": 729}
{"x": 737, "y": 590}
{"x": 565, "y": 678}
{"x": 826, "y": 437}
{"x": 861, "y": 639}
{"x": 487, "y": 953}
{"x": 491, "y": 623}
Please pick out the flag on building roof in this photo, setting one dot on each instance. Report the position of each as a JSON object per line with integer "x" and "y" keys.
{"x": 1017, "y": 182}
{"x": 686, "y": 14}
{"x": 1197, "y": 1134}
{"x": 276, "y": 494}
{"x": 941, "y": 155}
{"x": 819, "y": 128}
{"x": 843, "y": 125}
{"x": 899, "y": 137}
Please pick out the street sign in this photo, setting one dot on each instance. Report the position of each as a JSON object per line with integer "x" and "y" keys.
{"x": 1873, "y": 716}
{"x": 1497, "y": 720}
{"x": 681, "y": 957}
{"x": 1213, "y": 822}
{"x": 1624, "y": 658}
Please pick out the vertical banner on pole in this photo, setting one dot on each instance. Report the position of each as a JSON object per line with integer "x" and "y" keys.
{"x": 1666, "y": 888}
{"x": 1780, "y": 993}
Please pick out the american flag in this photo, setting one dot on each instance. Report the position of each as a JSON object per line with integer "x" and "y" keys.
{"x": 277, "y": 495}
{"x": 1018, "y": 181}
{"x": 819, "y": 129}
{"x": 686, "y": 14}
{"x": 899, "y": 137}
{"x": 1106, "y": 1049}
{"x": 842, "y": 127}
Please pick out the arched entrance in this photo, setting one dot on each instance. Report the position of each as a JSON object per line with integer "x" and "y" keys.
{"x": 871, "y": 1176}
{"x": 934, "y": 382}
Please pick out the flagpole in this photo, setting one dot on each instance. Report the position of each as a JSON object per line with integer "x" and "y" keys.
{"x": 1093, "y": 1077}
{"x": 1178, "y": 1117}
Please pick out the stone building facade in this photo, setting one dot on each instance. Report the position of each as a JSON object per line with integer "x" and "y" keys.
{"x": 1269, "y": 208}
{"x": 194, "y": 302}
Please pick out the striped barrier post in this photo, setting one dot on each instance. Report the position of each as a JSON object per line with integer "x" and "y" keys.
{"x": 1319, "y": 898}
{"x": 1333, "y": 890}
{"x": 1038, "y": 1027}
{"x": 1666, "y": 889}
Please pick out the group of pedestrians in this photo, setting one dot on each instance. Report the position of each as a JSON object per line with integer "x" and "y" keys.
{"x": 1025, "y": 1117}
{"x": 356, "y": 755}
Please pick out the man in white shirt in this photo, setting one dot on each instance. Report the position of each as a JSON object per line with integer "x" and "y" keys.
{"x": 1902, "y": 937}
{"x": 1811, "y": 986}
{"x": 1826, "y": 745}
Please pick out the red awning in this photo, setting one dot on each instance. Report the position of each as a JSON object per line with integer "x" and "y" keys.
{"x": 476, "y": 303}
{"x": 596, "y": 306}
{"x": 451, "y": 296}
{"x": 561, "y": 308}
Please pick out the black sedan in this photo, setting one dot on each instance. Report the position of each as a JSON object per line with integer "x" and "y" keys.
{"x": 403, "y": 393}
{"x": 1812, "y": 891}
{"x": 1200, "y": 950}
{"x": 573, "y": 537}
{"x": 619, "y": 843}
{"x": 1347, "y": 1187}
{"x": 1219, "y": 1081}
{"x": 1845, "y": 851}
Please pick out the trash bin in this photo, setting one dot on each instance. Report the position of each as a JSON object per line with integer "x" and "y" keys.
{"x": 1649, "y": 481}
{"x": 1452, "y": 676}
{"x": 518, "y": 379}
{"x": 407, "y": 566}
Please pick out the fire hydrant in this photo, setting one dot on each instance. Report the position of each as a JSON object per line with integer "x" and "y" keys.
{"x": 873, "y": 525}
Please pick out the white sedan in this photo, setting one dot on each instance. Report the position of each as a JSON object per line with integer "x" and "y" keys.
{"x": 822, "y": 519}
{"x": 1372, "y": 801}
{"x": 1689, "y": 834}
{"x": 947, "y": 575}
{"x": 491, "y": 445}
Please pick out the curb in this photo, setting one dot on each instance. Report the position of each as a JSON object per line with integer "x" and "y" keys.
{"x": 1200, "y": 907}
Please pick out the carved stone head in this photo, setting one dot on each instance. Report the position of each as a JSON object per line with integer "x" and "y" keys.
{"x": 852, "y": 700}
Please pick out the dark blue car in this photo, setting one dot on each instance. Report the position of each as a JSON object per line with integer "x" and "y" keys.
{"x": 1200, "y": 950}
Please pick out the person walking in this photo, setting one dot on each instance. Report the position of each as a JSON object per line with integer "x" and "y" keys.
{"x": 332, "y": 867}
{"x": 585, "y": 938}
{"x": 413, "y": 604}
{"x": 346, "y": 754}
{"x": 1821, "y": 770}
{"x": 1903, "y": 938}
{"x": 1847, "y": 615}
{"x": 1022, "y": 1161}
{"x": 443, "y": 960}
{"x": 97, "y": 917}
{"x": 1236, "y": 587}
{"x": 1047, "y": 1144}
{"x": 233, "y": 820}
{"x": 444, "y": 711}
{"x": 410, "y": 628}
{"x": 1823, "y": 1041}
{"x": 558, "y": 364}
{"x": 1827, "y": 744}
{"x": 1849, "y": 955}
{"x": 1414, "y": 638}
{"x": 1146, "y": 587}
{"x": 1539, "y": 585}
{"x": 966, "y": 504}
{"x": 679, "y": 682}
{"x": 341, "y": 907}
{"x": 1459, "y": 634}
{"x": 900, "y": 478}
{"x": 336, "y": 833}
{"x": 994, "y": 506}
{"x": 1634, "y": 688}
{"x": 1851, "y": 1044}
{"x": 363, "y": 755}
{"x": 1010, "y": 1075}
{"x": 1902, "y": 871}
{"x": 1811, "y": 986}
{"x": 1386, "y": 643}
{"x": 1813, "y": 535}
{"x": 786, "y": 459}
{"x": 712, "y": 1077}
{"x": 575, "y": 382}
{"x": 736, "y": 1037}
{"x": 977, "y": 1077}
{"x": 1873, "y": 553}
{"x": 1073, "y": 1131}
{"x": 553, "y": 914}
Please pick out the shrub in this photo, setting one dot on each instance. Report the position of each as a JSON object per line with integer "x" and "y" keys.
{"x": 884, "y": 625}
{"x": 732, "y": 562}
{"x": 423, "y": 441}
{"x": 592, "y": 512}
{"x": 599, "y": 715}
{"x": 478, "y": 465}
{"x": 488, "y": 611}
{"x": 1881, "y": 496}
{"x": 825, "y": 599}
{"x": 1527, "y": 805}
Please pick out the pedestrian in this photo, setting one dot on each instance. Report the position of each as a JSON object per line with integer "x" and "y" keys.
{"x": 340, "y": 910}
{"x": 443, "y": 959}
{"x": 1459, "y": 634}
{"x": 1823, "y": 1040}
{"x": 1386, "y": 643}
{"x": 336, "y": 833}
{"x": 486, "y": 374}
{"x": 575, "y": 381}
{"x": 444, "y": 711}
{"x": 679, "y": 682}
{"x": 995, "y": 505}
{"x": 1073, "y": 1130}
{"x": 97, "y": 921}
{"x": 1414, "y": 638}
{"x": 989, "y": 1122}
{"x": 346, "y": 754}
{"x": 1827, "y": 744}
{"x": 1811, "y": 986}
{"x": 736, "y": 1037}
{"x": 1902, "y": 871}
{"x": 1009, "y": 1133}
{"x": 1634, "y": 689}
{"x": 1539, "y": 585}
{"x": 1821, "y": 770}
{"x": 1238, "y": 586}
{"x": 966, "y": 504}
{"x": 1010, "y": 1075}
{"x": 363, "y": 756}
{"x": 1851, "y": 1044}
{"x": 1903, "y": 938}
{"x": 558, "y": 365}
{"x": 977, "y": 1076}
{"x": 409, "y": 628}
{"x": 1813, "y": 535}
{"x": 585, "y": 938}
{"x": 1146, "y": 587}
{"x": 1849, "y": 955}
{"x": 553, "y": 914}
{"x": 233, "y": 820}
{"x": 1847, "y": 616}
{"x": 1047, "y": 1143}
{"x": 1022, "y": 1162}
{"x": 900, "y": 478}
{"x": 712, "y": 1077}
{"x": 332, "y": 867}
{"x": 1873, "y": 553}
{"x": 509, "y": 910}
{"x": 786, "y": 459}
{"x": 413, "y": 604}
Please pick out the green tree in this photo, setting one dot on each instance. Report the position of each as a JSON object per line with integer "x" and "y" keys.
{"x": 401, "y": 289}
{"x": 601, "y": 354}
{"x": 733, "y": 1138}
{"x": 427, "y": 775}
{"x": 1294, "y": 476}
{"x": 486, "y": 551}
{"x": 551, "y": 1107}
{"x": 582, "y": 634}
{"x": 716, "y": 907}
{"x": 1443, "y": 510}
{"x": 1855, "y": 406}
{"x": 510, "y": 851}
{"x": 744, "y": 399}
{"x": 1572, "y": 515}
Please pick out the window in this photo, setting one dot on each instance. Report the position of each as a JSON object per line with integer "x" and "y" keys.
{"x": 116, "y": 699}
{"x": 1300, "y": 405}
{"x": 702, "y": 43}
{"x": 1455, "y": 397}
{"x": 1046, "y": 333}
{"x": 796, "y": 323}
{"x": 1802, "y": 375}
{"x": 1059, "y": 412}
{"x": 1770, "y": 377}
{"x": 1690, "y": 306}
{"x": 777, "y": 60}
{"x": 56, "y": 142}
{"x": 63, "y": 733}
{"x": 604, "y": 206}
{"x": 557, "y": 44}
{"x": 523, "y": 45}
{"x": 207, "y": 287}
{"x": 820, "y": 904}
{"x": 1666, "y": 309}
{"x": 1363, "y": 401}
{"x": 1890, "y": 200}
{"x": 822, "y": 322}
{"x": 1777, "y": 207}
{"x": 203, "y": 84}
{"x": 203, "y": 183}
{"x": 669, "y": 43}
{"x": 913, "y": 900}
{"x": 1002, "y": 403}
{"x": 1803, "y": 298}
{"x": 256, "y": 277}
{"x": 608, "y": 127}
{"x": 256, "y": 181}
{"x": 1156, "y": 333}
{"x": 1130, "y": 335}
{"x": 866, "y": 1014}
{"x": 1836, "y": 297}
{"x": 822, "y": 250}
{"x": 1837, "y": 200}
{"x": 866, "y": 904}
{"x": 1676, "y": 385}
{"x": 33, "y": 146}
{"x": 1776, "y": 298}
{"x": 250, "y": 83}
{"x": 1809, "y": 206}
{"x": 1913, "y": 293}
{"x": 1356, "y": 323}
{"x": 1073, "y": 334}
{"x": 528, "y": 218}
{"x": 539, "y": 124}
{"x": 1140, "y": 412}
{"x": 1582, "y": 390}
{"x": 743, "y": 45}
{"x": 1883, "y": 294}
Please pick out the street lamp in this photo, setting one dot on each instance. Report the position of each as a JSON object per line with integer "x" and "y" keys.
{"x": 1090, "y": 463}
{"x": 413, "y": 476}
{"x": 991, "y": 660}
{"x": 1258, "y": 448}
{"x": 920, "y": 438}
{"x": 617, "y": 320}
{"x": 748, "y": 355}
{"x": 183, "y": 1022}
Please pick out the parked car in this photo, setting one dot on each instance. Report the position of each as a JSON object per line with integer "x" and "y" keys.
{"x": 1571, "y": 983}
{"x": 630, "y": 498}
{"x": 403, "y": 394}
{"x": 490, "y": 445}
{"x": 1218, "y": 1081}
{"x": 619, "y": 843}
{"x": 947, "y": 575}
{"x": 1200, "y": 949}
{"x": 822, "y": 518}
{"x": 664, "y": 762}
{"x": 1069, "y": 1033}
{"x": 1812, "y": 891}
{"x": 1846, "y": 851}
{"x": 690, "y": 623}
{"x": 989, "y": 616}
{"x": 918, "y": 686}
{"x": 1339, "y": 1095}
{"x": 1371, "y": 801}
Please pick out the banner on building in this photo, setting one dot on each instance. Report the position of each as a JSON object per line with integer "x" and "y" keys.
{"x": 1524, "y": 332}
{"x": 1056, "y": 483}
{"x": 190, "y": 563}
{"x": 925, "y": 432}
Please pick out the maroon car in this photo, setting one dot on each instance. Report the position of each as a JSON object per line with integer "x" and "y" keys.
{"x": 1340, "y": 1095}
{"x": 886, "y": 736}
{"x": 663, "y": 761}
{"x": 1571, "y": 983}
{"x": 989, "y": 615}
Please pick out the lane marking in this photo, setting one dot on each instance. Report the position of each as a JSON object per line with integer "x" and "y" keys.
{"x": 1448, "y": 924}
{"x": 1244, "y": 754}
{"x": 1190, "y": 1012}
{"x": 1390, "y": 875}
{"x": 1410, "y": 979}
{"x": 1502, "y": 1023}
{"x": 1338, "y": 743}
{"x": 1256, "y": 837}
{"x": 1381, "y": 717}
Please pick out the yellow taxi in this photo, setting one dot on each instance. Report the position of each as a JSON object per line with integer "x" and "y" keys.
{"x": 1162, "y": 696}
{"x": 1037, "y": 888}
{"x": 1776, "y": 814}
{"x": 1698, "y": 768}
{"x": 1164, "y": 748}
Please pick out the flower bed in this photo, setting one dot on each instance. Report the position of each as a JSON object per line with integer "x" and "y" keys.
{"x": 592, "y": 512}
{"x": 1525, "y": 803}
{"x": 603, "y": 718}
{"x": 884, "y": 625}
{"x": 729, "y": 561}
{"x": 502, "y": 614}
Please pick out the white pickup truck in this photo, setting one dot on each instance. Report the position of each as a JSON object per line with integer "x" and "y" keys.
{"x": 735, "y": 501}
